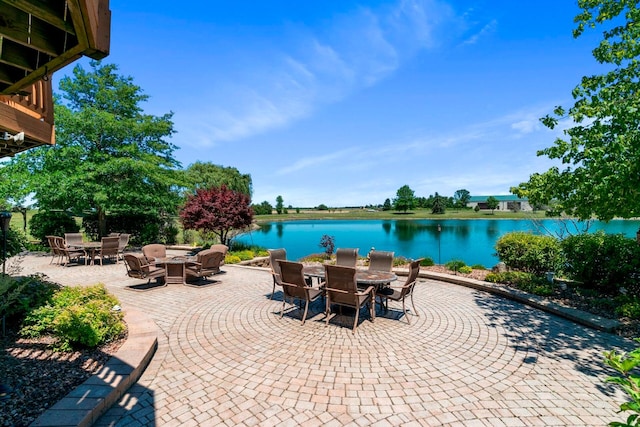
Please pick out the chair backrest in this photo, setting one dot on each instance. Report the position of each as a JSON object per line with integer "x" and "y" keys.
{"x": 210, "y": 259}
{"x": 341, "y": 285}
{"x": 114, "y": 234}
{"x": 220, "y": 248}
{"x": 59, "y": 243}
{"x": 274, "y": 256}
{"x": 110, "y": 245}
{"x": 346, "y": 257}
{"x": 137, "y": 265}
{"x": 414, "y": 270}
{"x": 154, "y": 250}
{"x": 124, "y": 241}
{"x": 292, "y": 277}
{"x": 380, "y": 260}
{"x": 71, "y": 239}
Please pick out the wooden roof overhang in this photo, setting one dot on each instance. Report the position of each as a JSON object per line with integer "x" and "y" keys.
{"x": 37, "y": 38}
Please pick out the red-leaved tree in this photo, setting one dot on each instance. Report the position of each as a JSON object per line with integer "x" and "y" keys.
{"x": 217, "y": 210}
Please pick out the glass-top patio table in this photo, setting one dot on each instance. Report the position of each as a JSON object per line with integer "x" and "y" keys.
{"x": 363, "y": 277}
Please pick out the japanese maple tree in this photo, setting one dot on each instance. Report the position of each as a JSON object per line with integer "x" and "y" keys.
{"x": 217, "y": 210}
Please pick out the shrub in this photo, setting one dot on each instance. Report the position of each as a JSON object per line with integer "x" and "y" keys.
{"x": 16, "y": 243}
{"x": 524, "y": 281}
{"x": 602, "y": 261}
{"x": 328, "y": 243}
{"x": 625, "y": 364}
{"x": 629, "y": 308}
{"x": 478, "y": 267}
{"x": 465, "y": 269}
{"x": 455, "y": 265}
{"x": 77, "y": 316}
{"x": 427, "y": 262}
{"x": 20, "y": 295}
{"x": 231, "y": 259}
{"x": 47, "y": 223}
{"x": 245, "y": 255}
{"x": 529, "y": 252}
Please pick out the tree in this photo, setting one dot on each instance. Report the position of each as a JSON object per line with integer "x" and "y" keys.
{"x": 492, "y": 203}
{"x": 109, "y": 156}
{"x": 387, "y": 205}
{"x": 279, "y": 205}
{"x": 461, "y": 198}
{"x": 217, "y": 210}
{"x": 439, "y": 205}
{"x": 404, "y": 199}
{"x": 207, "y": 175}
{"x": 263, "y": 208}
{"x": 601, "y": 152}
{"x": 15, "y": 188}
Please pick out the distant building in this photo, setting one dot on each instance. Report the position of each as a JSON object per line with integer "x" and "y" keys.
{"x": 507, "y": 203}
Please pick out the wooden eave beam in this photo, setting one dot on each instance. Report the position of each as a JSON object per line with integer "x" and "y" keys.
{"x": 44, "y": 12}
{"x": 33, "y": 33}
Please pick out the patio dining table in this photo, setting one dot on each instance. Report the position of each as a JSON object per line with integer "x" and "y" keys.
{"x": 90, "y": 249}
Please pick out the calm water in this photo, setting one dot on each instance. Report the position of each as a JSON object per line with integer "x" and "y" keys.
{"x": 472, "y": 241}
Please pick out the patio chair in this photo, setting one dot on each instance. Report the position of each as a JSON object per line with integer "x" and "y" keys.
{"x": 55, "y": 252}
{"x": 122, "y": 244}
{"x": 274, "y": 256}
{"x": 401, "y": 293}
{"x": 221, "y": 248}
{"x": 346, "y": 257}
{"x": 380, "y": 260}
{"x": 207, "y": 263}
{"x": 341, "y": 290}
{"x": 67, "y": 254}
{"x": 71, "y": 239}
{"x": 153, "y": 251}
{"x": 109, "y": 249}
{"x": 138, "y": 268}
{"x": 295, "y": 287}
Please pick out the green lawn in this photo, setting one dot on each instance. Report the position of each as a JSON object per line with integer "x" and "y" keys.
{"x": 414, "y": 214}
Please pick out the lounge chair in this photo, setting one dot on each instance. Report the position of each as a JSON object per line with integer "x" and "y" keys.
{"x": 207, "y": 263}
{"x": 153, "y": 251}
{"x": 122, "y": 244}
{"x": 138, "y": 268}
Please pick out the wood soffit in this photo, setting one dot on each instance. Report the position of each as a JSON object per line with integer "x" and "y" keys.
{"x": 37, "y": 38}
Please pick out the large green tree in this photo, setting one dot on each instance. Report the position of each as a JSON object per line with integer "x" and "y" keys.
{"x": 207, "y": 175}
{"x": 109, "y": 156}
{"x": 600, "y": 153}
{"x": 405, "y": 199}
{"x": 461, "y": 198}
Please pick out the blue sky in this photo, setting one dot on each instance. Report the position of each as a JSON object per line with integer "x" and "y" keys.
{"x": 342, "y": 102}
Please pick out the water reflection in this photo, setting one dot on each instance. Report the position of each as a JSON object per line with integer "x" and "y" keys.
{"x": 472, "y": 241}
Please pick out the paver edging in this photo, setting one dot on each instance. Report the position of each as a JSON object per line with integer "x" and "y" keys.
{"x": 582, "y": 317}
{"x": 87, "y": 402}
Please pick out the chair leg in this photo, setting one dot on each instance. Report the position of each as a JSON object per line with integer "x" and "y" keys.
{"x": 355, "y": 322}
{"x": 327, "y": 311}
{"x": 404, "y": 310}
{"x": 306, "y": 309}
{"x": 414, "y": 307}
{"x": 284, "y": 299}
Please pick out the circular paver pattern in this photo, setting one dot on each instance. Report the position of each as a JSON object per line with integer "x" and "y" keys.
{"x": 226, "y": 357}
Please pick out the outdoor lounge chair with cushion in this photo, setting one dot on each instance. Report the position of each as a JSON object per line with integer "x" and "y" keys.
{"x": 342, "y": 290}
{"x": 109, "y": 249}
{"x": 153, "y": 251}
{"x": 403, "y": 292}
{"x": 295, "y": 287}
{"x": 347, "y": 257}
{"x": 207, "y": 263}
{"x": 274, "y": 256}
{"x": 138, "y": 268}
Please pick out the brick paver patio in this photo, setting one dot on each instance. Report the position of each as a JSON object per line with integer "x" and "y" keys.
{"x": 225, "y": 357}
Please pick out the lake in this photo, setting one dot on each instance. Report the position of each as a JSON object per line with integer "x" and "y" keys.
{"x": 472, "y": 240}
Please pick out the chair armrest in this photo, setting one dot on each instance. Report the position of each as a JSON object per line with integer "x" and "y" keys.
{"x": 366, "y": 291}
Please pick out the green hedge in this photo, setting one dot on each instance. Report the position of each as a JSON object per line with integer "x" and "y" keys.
{"x": 530, "y": 253}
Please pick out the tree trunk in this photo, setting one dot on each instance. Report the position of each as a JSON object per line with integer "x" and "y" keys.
{"x": 102, "y": 223}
